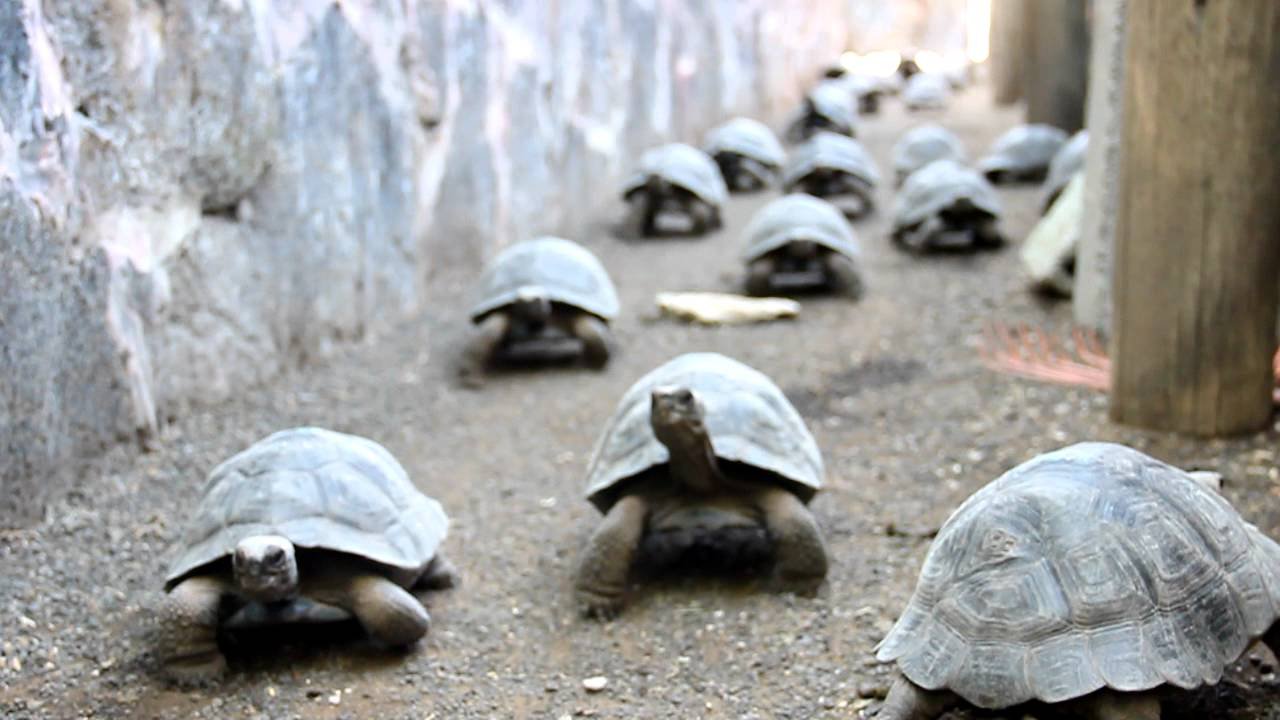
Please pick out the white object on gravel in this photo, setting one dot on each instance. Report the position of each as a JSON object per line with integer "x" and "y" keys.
{"x": 712, "y": 308}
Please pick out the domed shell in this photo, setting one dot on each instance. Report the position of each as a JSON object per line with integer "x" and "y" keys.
{"x": 1093, "y": 566}
{"x": 938, "y": 186}
{"x": 321, "y": 489}
{"x": 798, "y": 217}
{"x": 749, "y": 419}
{"x": 748, "y": 138}
{"x": 833, "y": 100}
{"x": 1065, "y": 164}
{"x": 922, "y": 145}
{"x": 926, "y": 91}
{"x": 682, "y": 165}
{"x": 561, "y": 269}
{"x": 828, "y": 150}
{"x": 1024, "y": 149}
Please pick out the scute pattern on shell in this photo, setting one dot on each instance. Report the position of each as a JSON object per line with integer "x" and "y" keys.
{"x": 1023, "y": 149}
{"x": 748, "y": 138}
{"x": 321, "y": 489}
{"x": 938, "y": 186}
{"x": 798, "y": 217}
{"x": 561, "y": 269}
{"x": 1092, "y": 566}
{"x": 925, "y": 144}
{"x": 682, "y": 165}
{"x": 830, "y": 151}
{"x": 748, "y": 417}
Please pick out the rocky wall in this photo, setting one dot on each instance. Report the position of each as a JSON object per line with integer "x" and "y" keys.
{"x": 195, "y": 195}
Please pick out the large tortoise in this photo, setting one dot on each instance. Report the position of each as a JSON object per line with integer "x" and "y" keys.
{"x": 541, "y": 299}
{"x": 747, "y": 152}
{"x": 926, "y": 91}
{"x": 677, "y": 183}
{"x": 1068, "y": 161}
{"x": 801, "y": 241}
{"x": 1091, "y": 575}
{"x": 706, "y": 461}
{"x": 946, "y": 205}
{"x": 836, "y": 168}
{"x": 922, "y": 145}
{"x": 305, "y": 526}
{"x": 1022, "y": 154}
{"x": 828, "y": 107}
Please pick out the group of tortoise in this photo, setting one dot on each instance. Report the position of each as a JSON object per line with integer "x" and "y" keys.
{"x": 1089, "y": 577}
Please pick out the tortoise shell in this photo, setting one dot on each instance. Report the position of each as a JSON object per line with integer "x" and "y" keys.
{"x": 749, "y": 419}
{"x": 1024, "y": 150}
{"x": 683, "y": 166}
{"x": 320, "y": 489}
{"x": 830, "y": 151}
{"x": 748, "y": 138}
{"x": 939, "y": 186}
{"x": 922, "y": 145}
{"x": 561, "y": 269}
{"x": 1089, "y": 567}
{"x": 798, "y": 217}
{"x": 926, "y": 91}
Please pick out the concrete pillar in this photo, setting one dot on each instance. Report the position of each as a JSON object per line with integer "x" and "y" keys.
{"x": 1057, "y": 62}
{"x": 1007, "y": 52}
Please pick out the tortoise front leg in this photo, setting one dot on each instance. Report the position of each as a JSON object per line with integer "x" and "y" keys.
{"x": 480, "y": 348}
{"x": 986, "y": 235}
{"x": 606, "y": 562}
{"x": 189, "y": 629}
{"x": 597, "y": 340}
{"x": 389, "y": 613}
{"x": 638, "y": 221}
{"x": 908, "y": 701}
{"x": 706, "y": 217}
{"x": 800, "y": 554}
{"x": 760, "y": 276}
{"x": 439, "y": 575}
{"x": 842, "y": 274}
{"x": 1108, "y": 705}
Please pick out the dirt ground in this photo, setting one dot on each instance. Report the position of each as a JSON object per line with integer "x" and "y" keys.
{"x": 909, "y": 421}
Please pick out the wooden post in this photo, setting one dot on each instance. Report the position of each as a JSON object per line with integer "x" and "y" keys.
{"x": 1057, "y": 62}
{"x": 1006, "y": 51}
{"x": 1197, "y": 249}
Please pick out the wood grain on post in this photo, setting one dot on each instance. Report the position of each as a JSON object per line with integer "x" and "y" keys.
{"x": 1198, "y": 233}
{"x": 1057, "y": 62}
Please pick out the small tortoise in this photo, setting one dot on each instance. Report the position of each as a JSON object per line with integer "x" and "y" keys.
{"x": 1088, "y": 576}
{"x": 835, "y": 168}
{"x": 926, "y": 91}
{"x": 546, "y": 298}
{"x": 676, "y": 183}
{"x": 1068, "y": 161}
{"x": 305, "y": 526}
{"x": 704, "y": 461}
{"x": 747, "y": 152}
{"x": 827, "y": 107}
{"x": 1022, "y": 154}
{"x": 801, "y": 241}
{"x": 922, "y": 145}
{"x": 946, "y": 205}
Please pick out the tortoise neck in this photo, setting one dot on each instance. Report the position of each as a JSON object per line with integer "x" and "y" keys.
{"x": 693, "y": 460}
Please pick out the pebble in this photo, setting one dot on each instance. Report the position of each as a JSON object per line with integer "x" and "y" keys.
{"x": 595, "y": 683}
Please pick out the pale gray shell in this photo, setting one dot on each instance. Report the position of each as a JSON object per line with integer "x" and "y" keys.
{"x": 922, "y": 145}
{"x": 748, "y": 417}
{"x": 938, "y": 186}
{"x": 321, "y": 489}
{"x": 682, "y": 165}
{"x": 560, "y": 269}
{"x": 1024, "y": 149}
{"x": 926, "y": 91}
{"x": 798, "y": 217}
{"x": 748, "y": 138}
{"x": 1093, "y": 566}
{"x": 828, "y": 150}
{"x": 834, "y": 101}
{"x": 1065, "y": 164}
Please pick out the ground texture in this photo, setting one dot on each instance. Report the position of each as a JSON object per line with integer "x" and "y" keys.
{"x": 909, "y": 421}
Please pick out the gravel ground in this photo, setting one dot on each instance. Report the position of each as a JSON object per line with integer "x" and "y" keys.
{"x": 909, "y": 422}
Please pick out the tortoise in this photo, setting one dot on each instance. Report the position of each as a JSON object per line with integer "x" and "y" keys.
{"x": 542, "y": 299}
{"x": 828, "y": 107}
{"x": 926, "y": 91}
{"x": 922, "y": 145}
{"x": 1087, "y": 577}
{"x": 747, "y": 152}
{"x": 801, "y": 240}
{"x": 865, "y": 90}
{"x": 676, "y": 182}
{"x": 1068, "y": 161}
{"x": 704, "y": 461}
{"x": 1022, "y": 154}
{"x": 835, "y": 168}
{"x": 946, "y": 205}
{"x": 305, "y": 526}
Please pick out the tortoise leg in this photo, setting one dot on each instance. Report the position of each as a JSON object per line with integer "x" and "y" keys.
{"x": 706, "y": 218}
{"x": 759, "y": 276}
{"x": 480, "y": 348}
{"x": 842, "y": 274}
{"x": 389, "y": 613}
{"x": 638, "y": 222}
{"x": 439, "y": 575}
{"x": 987, "y": 235}
{"x": 1105, "y": 705}
{"x": 907, "y": 701}
{"x": 606, "y": 562}
{"x": 596, "y": 338}
{"x": 189, "y": 634}
{"x": 800, "y": 554}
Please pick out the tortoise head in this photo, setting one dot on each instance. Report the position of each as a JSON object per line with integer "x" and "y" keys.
{"x": 532, "y": 305}
{"x": 676, "y": 415}
{"x": 265, "y": 568}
